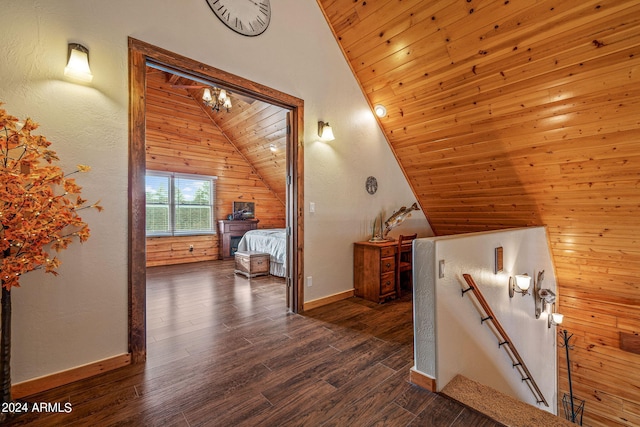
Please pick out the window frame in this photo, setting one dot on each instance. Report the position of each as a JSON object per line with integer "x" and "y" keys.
{"x": 173, "y": 205}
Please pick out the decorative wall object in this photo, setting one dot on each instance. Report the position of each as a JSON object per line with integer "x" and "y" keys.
{"x": 371, "y": 185}
{"x": 499, "y": 263}
{"x": 244, "y": 210}
{"x": 398, "y": 218}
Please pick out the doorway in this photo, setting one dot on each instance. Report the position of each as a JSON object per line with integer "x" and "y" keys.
{"x": 142, "y": 54}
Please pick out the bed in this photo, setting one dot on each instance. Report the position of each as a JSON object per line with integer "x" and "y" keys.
{"x": 272, "y": 241}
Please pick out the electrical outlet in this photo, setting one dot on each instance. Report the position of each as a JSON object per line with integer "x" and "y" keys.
{"x": 190, "y": 248}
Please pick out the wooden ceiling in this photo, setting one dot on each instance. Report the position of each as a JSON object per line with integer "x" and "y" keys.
{"x": 255, "y": 128}
{"x": 259, "y": 132}
{"x": 506, "y": 113}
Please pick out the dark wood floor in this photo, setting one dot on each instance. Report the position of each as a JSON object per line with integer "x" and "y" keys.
{"x": 224, "y": 352}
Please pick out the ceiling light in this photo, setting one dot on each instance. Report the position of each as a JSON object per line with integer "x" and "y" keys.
{"x": 216, "y": 98}
{"x": 206, "y": 96}
{"x": 381, "y": 110}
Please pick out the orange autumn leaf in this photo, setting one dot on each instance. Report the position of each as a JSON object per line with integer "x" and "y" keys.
{"x": 70, "y": 186}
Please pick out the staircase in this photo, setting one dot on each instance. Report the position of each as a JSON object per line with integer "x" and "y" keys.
{"x": 502, "y": 408}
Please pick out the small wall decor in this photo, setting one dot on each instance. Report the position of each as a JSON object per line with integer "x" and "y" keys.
{"x": 243, "y": 210}
{"x": 371, "y": 185}
{"x": 397, "y": 218}
{"x": 498, "y": 263}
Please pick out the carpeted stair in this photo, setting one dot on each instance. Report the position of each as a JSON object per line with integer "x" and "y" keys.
{"x": 502, "y": 408}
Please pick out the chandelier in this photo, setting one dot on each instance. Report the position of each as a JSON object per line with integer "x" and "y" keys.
{"x": 216, "y": 99}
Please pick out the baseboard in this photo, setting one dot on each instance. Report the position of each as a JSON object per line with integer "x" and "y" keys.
{"x": 37, "y": 385}
{"x": 422, "y": 380}
{"x": 328, "y": 300}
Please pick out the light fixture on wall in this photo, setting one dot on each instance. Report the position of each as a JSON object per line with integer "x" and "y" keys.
{"x": 216, "y": 98}
{"x": 78, "y": 63}
{"x": 380, "y": 110}
{"x": 325, "y": 132}
{"x": 520, "y": 283}
{"x": 554, "y": 318}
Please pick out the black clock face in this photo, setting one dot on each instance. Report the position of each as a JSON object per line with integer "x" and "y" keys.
{"x": 246, "y": 17}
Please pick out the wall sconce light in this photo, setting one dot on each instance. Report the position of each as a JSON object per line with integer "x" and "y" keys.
{"x": 380, "y": 110}
{"x": 325, "y": 132}
{"x": 78, "y": 63}
{"x": 520, "y": 283}
{"x": 554, "y": 318}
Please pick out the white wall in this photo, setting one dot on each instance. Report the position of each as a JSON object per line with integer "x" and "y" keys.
{"x": 81, "y": 316}
{"x": 449, "y": 336}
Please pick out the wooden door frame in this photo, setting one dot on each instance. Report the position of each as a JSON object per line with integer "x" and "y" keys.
{"x": 141, "y": 53}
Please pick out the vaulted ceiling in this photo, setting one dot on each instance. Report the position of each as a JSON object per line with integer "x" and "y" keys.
{"x": 506, "y": 113}
{"x": 256, "y": 129}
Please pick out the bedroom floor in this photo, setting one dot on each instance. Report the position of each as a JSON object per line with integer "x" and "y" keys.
{"x": 222, "y": 351}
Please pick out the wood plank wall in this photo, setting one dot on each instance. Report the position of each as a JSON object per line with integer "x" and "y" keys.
{"x": 517, "y": 113}
{"x": 182, "y": 138}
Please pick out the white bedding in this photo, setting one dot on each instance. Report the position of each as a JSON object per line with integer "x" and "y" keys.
{"x": 272, "y": 241}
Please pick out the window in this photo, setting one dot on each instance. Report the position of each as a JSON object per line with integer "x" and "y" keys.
{"x": 179, "y": 204}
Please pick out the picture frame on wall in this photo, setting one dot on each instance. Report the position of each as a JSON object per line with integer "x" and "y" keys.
{"x": 244, "y": 210}
{"x": 498, "y": 265}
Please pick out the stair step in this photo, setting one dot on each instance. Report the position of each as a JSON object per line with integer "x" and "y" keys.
{"x": 498, "y": 406}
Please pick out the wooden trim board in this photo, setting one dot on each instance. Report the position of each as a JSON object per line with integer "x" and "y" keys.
{"x": 37, "y": 385}
{"x": 422, "y": 380}
{"x": 141, "y": 53}
{"x": 328, "y": 300}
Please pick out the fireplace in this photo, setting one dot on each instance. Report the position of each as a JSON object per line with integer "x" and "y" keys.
{"x": 230, "y": 234}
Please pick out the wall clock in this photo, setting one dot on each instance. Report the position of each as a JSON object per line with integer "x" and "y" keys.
{"x": 246, "y": 17}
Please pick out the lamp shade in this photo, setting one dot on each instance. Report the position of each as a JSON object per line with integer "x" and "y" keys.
{"x": 557, "y": 318}
{"x": 206, "y": 95}
{"x": 523, "y": 281}
{"x": 78, "y": 63}
{"x": 325, "y": 132}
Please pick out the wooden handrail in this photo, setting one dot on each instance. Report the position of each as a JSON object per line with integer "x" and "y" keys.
{"x": 506, "y": 341}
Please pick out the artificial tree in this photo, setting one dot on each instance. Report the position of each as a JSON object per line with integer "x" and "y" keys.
{"x": 39, "y": 207}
